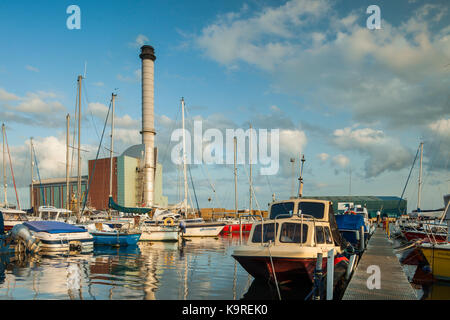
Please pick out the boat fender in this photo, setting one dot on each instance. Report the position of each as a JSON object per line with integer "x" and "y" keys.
{"x": 183, "y": 226}
{"x": 167, "y": 221}
{"x": 24, "y": 237}
{"x": 340, "y": 259}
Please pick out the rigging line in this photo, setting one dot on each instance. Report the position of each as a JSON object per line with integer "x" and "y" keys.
{"x": 193, "y": 188}
{"x": 96, "y": 158}
{"x": 12, "y": 171}
{"x": 166, "y": 152}
{"x": 92, "y": 116}
{"x": 212, "y": 185}
{"x": 39, "y": 176}
{"x": 404, "y": 188}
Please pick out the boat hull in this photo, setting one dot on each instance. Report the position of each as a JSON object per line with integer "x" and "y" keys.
{"x": 203, "y": 230}
{"x": 246, "y": 227}
{"x": 438, "y": 258}
{"x": 286, "y": 269}
{"x": 115, "y": 238}
{"x": 56, "y": 243}
{"x": 417, "y": 235}
{"x": 163, "y": 235}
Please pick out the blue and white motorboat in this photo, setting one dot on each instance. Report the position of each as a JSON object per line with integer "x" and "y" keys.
{"x": 59, "y": 237}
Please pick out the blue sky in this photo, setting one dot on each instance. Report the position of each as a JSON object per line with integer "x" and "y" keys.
{"x": 345, "y": 96}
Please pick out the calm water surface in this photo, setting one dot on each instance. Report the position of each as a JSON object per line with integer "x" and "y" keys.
{"x": 198, "y": 269}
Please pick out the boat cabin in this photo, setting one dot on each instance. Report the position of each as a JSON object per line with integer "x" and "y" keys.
{"x": 53, "y": 214}
{"x": 307, "y": 222}
{"x": 318, "y": 209}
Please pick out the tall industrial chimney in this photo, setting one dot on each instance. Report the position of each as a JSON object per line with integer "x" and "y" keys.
{"x": 148, "y": 122}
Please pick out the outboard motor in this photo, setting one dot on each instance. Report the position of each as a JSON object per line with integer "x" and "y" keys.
{"x": 22, "y": 235}
{"x": 183, "y": 226}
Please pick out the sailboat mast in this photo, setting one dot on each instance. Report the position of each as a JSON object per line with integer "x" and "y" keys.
{"x": 67, "y": 161}
{"x": 250, "y": 160}
{"x": 79, "y": 150}
{"x": 4, "y": 165}
{"x": 184, "y": 160}
{"x": 111, "y": 151}
{"x": 31, "y": 165}
{"x": 235, "y": 179}
{"x": 420, "y": 177}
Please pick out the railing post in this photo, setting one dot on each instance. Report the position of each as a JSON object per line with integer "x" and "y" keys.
{"x": 318, "y": 274}
{"x": 362, "y": 239}
{"x": 350, "y": 267}
{"x": 330, "y": 274}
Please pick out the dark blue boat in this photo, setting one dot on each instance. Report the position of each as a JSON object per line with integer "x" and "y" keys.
{"x": 349, "y": 225}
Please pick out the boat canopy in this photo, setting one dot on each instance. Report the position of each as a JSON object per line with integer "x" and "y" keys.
{"x": 52, "y": 227}
{"x": 120, "y": 208}
{"x": 350, "y": 222}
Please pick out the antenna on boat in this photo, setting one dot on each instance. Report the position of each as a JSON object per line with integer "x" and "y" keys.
{"x": 292, "y": 160}
{"x": 300, "y": 186}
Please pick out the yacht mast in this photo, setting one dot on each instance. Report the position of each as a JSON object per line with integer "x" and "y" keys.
{"x": 111, "y": 152}
{"x": 420, "y": 177}
{"x": 250, "y": 160}
{"x": 67, "y": 162}
{"x": 31, "y": 165}
{"x": 235, "y": 179}
{"x": 4, "y": 166}
{"x": 184, "y": 160}
{"x": 79, "y": 154}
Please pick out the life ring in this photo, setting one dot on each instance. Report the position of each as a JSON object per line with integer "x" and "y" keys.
{"x": 168, "y": 220}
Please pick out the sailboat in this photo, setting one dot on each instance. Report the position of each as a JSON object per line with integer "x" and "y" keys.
{"x": 11, "y": 215}
{"x": 192, "y": 227}
{"x": 102, "y": 233}
{"x": 437, "y": 253}
{"x": 423, "y": 224}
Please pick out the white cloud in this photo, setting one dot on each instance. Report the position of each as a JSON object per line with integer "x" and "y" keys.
{"x": 100, "y": 111}
{"x": 292, "y": 142}
{"x": 341, "y": 160}
{"x": 7, "y": 96}
{"x": 396, "y": 75}
{"x": 31, "y": 68}
{"x": 139, "y": 41}
{"x": 441, "y": 127}
{"x": 383, "y": 153}
{"x": 323, "y": 156}
{"x": 235, "y": 39}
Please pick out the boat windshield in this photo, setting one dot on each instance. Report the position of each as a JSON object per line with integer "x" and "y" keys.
{"x": 268, "y": 233}
{"x": 282, "y": 208}
{"x": 293, "y": 233}
{"x": 315, "y": 209}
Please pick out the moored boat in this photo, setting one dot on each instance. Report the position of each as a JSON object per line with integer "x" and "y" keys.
{"x": 59, "y": 237}
{"x": 12, "y": 217}
{"x": 286, "y": 246}
{"x": 104, "y": 235}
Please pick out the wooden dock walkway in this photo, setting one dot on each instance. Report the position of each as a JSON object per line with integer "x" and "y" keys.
{"x": 393, "y": 282}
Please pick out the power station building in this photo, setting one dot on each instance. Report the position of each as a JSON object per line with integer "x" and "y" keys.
{"x": 389, "y": 206}
{"x": 127, "y": 181}
{"x": 52, "y": 192}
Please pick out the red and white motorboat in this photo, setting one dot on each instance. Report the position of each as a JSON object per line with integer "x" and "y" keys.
{"x": 297, "y": 231}
{"x": 233, "y": 225}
